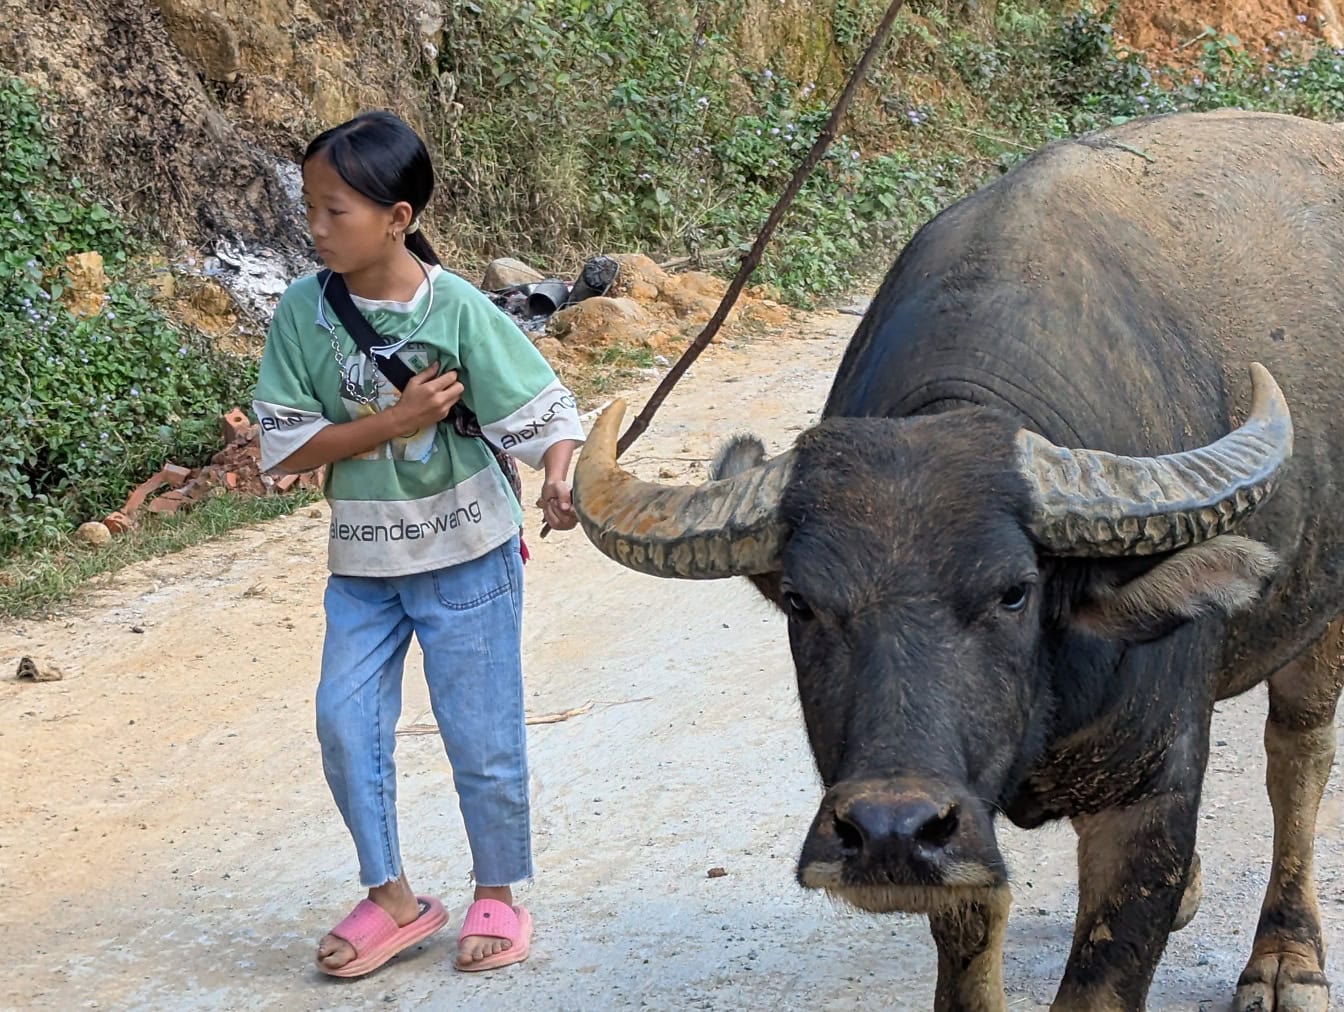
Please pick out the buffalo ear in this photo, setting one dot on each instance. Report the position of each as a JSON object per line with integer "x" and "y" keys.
{"x": 738, "y": 455}
{"x": 769, "y": 584}
{"x": 1224, "y": 575}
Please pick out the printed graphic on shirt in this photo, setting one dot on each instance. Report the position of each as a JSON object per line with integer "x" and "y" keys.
{"x": 418, "y": 446}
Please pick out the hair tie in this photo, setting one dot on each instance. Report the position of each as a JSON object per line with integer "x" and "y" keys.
{"x": 413, "y": 227}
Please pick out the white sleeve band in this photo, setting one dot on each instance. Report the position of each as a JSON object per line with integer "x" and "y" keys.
{"x": 283, "y": 431}
{"x": 545, "y": 420}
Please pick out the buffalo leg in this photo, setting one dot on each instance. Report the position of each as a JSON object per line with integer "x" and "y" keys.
{"x": 1286, "y": 971}
{"x": 1133, "y": 870}
{"x": 969, "y": 937}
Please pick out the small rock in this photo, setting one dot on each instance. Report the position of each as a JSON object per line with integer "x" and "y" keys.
{"x": 550, "y": 348}
{"x": 856, "y": 308}
{"x": 137, "y": 629}
{"x": 94, "y": 533}
{"x": 717, "y": 872}
{"x": 213, "y": 307}
{"x": 507, "y": 272}
{"x": 162, "y": 284}
{"x": 205, "y": 38}
{"x": 86, "y": 284}
{"x": 30, "y": 670}
{"x": 600, "y": 321}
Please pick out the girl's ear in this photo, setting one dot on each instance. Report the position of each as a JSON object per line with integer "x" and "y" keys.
{"x": 402, "y": 214}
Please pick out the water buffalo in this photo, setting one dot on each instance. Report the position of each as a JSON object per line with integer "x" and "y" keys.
{"x": 1080, "y": 475}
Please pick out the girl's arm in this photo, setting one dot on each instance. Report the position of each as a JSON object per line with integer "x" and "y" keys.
{"x": 426, "y": 401}
{"x": 554, "y": 499}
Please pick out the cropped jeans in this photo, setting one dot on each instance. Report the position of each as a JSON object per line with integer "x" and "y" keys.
{"x": 467, "y": 619}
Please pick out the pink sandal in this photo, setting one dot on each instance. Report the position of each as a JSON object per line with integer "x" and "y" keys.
{"x": 493, "y": 919}
{"x": 376, "y": 938}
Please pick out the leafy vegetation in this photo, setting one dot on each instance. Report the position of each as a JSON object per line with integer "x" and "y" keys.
{"x": 579, "y": 125}
{"x": 93, "y": 403}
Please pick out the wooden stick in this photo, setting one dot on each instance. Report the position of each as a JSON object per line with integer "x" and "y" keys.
{"x": 544, "y": 718}
{"x": 753, "y": 258}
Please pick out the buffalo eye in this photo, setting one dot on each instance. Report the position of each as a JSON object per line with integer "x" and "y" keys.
{"x": 797, "y": 605}
{"x": 1015, "y": 597}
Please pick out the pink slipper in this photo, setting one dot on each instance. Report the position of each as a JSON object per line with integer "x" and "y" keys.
{"x": 375, "y": 937}
{"x": 493, "y": 919}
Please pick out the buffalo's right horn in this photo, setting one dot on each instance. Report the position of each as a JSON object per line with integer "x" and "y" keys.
{"x": 691, "y": 532}
{"x": 1093, "y": 503}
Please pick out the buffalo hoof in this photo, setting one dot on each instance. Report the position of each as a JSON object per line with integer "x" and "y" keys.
{"x": 1194, "y": 892}
{"x": 1282, "y": 982}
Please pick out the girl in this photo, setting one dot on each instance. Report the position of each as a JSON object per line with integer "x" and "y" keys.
{"x": 424, "y": 532}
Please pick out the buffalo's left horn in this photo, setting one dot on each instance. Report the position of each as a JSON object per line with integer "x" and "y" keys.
{"x": 691, "y": 532}
{"x": 1092, "y": 503}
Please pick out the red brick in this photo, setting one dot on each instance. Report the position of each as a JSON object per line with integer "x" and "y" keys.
{"x": 231, "y": 479}
{"x": 175, "y": 474}
{"x": 117, "y": 522}
{"x": 234, "y": 424}
{"x": 168, "y": 503}
{"x": 196, "y": 489}
{"x": 285, "y": 482}
{"x": 137, "y": 498}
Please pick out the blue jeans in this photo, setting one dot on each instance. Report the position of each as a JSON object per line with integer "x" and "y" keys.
{"x": 468, "y": 621}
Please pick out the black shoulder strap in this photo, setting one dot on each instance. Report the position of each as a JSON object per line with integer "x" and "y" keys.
{"x": 338, "y": 297}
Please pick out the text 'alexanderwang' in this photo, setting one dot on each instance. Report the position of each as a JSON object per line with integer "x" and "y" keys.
{"x": 403, "y": 531}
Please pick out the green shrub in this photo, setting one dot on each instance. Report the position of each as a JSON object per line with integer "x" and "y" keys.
{"x": 94, "y": 404}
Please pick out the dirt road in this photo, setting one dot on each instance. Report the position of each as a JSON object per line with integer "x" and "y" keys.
{"x": 167, "y": 841}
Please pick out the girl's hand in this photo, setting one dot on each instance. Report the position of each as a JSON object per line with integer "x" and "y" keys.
{"x": 428, "y": 398}
{"x": 556, "y": 506}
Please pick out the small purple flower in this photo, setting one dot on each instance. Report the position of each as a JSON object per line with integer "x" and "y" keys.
{"x": 1302, "y": 19}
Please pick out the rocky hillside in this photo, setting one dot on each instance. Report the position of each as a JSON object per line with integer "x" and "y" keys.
{"x": 189, "y": 113}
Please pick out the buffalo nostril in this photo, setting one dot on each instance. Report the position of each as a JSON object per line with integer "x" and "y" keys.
{"x": 851, "y": 838}
{"x": 939, "y": 830}
{"x": 914, "y": 825}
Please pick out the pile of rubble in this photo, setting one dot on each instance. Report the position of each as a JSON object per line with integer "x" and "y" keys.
{"x": 236, "y": 469}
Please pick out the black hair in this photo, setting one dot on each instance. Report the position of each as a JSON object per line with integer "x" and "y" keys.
{"x": 379, "y": 156}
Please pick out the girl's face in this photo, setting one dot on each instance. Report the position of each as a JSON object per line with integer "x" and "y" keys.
{"x": 351, "y": 232}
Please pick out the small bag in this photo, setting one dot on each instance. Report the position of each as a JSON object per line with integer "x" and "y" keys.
{"x": 464, "y": 423}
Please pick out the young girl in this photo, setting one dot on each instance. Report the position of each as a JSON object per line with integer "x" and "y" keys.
{"x": 424, "y": 532}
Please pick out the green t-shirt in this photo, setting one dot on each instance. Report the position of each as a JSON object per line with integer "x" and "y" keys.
{"x": 431, "y": 498}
